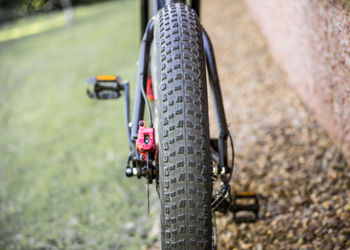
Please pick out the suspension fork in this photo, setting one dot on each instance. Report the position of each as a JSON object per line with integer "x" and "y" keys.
{"x": 213, "y": 81}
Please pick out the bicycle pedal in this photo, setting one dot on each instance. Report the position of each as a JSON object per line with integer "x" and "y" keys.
{"x": 104, "y": 87}
{"x": 245, "y": 207}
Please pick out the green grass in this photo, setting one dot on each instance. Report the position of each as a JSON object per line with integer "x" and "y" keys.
{"x": 62, "y": 155}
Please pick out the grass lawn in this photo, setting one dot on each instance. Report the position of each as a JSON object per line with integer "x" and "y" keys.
{"x": 62, "y": 155}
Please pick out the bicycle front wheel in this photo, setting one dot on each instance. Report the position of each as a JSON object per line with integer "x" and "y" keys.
{"x": 183, "y": 129}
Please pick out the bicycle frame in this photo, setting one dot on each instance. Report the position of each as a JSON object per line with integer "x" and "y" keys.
{"x": 144, "y": 148}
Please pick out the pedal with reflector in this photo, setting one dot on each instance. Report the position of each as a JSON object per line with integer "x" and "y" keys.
{"x": 104, "y": 87}
{"x": 245, "y": 207}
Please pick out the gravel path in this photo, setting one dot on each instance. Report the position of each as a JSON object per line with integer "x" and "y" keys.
{"x": 281, "y": 151}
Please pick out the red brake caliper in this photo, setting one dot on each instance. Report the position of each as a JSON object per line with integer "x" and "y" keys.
{"x": 145, "y": 143}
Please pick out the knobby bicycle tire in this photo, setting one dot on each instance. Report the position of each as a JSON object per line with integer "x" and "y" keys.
{"x": 184, "y": 158}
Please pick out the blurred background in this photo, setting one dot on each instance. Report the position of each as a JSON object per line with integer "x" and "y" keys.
{"x": 62, "y": 155}
{"x": 284, "y": 70}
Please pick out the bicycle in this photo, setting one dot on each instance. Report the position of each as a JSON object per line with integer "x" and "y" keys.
{"x": 175, "y": 149}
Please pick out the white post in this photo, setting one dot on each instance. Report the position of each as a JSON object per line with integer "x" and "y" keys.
{"x": 68, "y": 12}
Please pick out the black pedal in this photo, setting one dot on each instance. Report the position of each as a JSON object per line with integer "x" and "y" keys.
{"x": 245, "y": 207}
{"x": 104, "y": 87}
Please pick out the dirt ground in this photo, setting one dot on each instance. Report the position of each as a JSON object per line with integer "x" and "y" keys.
{"x": 281, "y": 151}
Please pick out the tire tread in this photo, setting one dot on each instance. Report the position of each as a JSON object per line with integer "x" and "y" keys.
{"x": 184, "y": 131}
